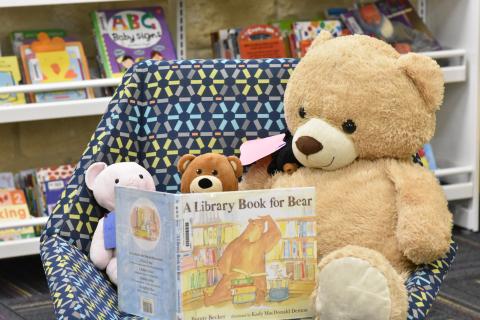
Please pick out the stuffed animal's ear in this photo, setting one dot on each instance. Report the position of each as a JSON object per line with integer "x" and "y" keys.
{"x": 184, "y": 161}
{"x": 323, "y": 37}
{"x": 92, "y": 173}
{"x": 236, "y": 165}
{"x": 427, "y": 76}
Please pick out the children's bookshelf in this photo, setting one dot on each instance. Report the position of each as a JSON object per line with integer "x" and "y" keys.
{"x": 454, "y": 23}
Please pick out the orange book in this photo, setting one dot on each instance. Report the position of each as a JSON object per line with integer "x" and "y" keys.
{"x": 13, "y": 207}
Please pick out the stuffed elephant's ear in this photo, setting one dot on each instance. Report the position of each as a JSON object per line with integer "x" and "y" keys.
{"x": 323, "y": 37}
{"x": 92, "y": 173}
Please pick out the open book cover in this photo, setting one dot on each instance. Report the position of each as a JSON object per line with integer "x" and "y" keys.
{"x": 244, "y": 254}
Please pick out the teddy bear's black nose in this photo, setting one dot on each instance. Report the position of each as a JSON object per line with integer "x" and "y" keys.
{"x": 205, "y": 183}
{"x": 308, "y": 145}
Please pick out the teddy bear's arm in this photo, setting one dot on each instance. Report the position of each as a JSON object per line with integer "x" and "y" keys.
{"x": 424, "y": 225}
{"x": 257, "y": 176}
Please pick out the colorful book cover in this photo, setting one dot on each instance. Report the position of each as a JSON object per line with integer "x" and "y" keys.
{"x": 127, "y": 36}
{"x": 50, "y": 60}
{"x": 409, "y": 33}
{"x": 13, "y": 207}
{"x": 394, "y": 21}
{"x": 261, "y": 41}
{"x": 19, "y": 38}
{"x": 7, "y": 180}
{"x": 306, "y": 31}
{"x": 10, "y": 76}
{"x": 245, "y": 254}
{"x": 49, "y": 185}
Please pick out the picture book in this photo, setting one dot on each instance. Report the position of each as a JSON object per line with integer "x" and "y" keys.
{"x": 427, "y": 157}
{"x": 394, "y": 21}
{"x": 7, "y": 180}
{"x": 10, "y": 76}
{"x": 409, "y": 31}
{"x": 124, "y": 37}
{"x": 230, "y": 255}
{"x": 55, "y": 60}
{"x": 50, "y": 182}
{"x": 13, "y": 207}
{"x": 306, "y": 31}
{"x": 19, "y": 38}
{"x": 261, "y": 41}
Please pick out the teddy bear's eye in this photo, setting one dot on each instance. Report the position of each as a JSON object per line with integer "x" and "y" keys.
{"x": 214, "y": 172}
{"x": 117, "y": 181}
{"x": 199, "y": 171}
{"x": 302, "y": 113}
{"x": 349, "y": 126}
{"x": 141, "y": 176}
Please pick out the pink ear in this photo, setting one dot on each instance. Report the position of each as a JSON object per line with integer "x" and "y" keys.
{"x": 92, "y": 172}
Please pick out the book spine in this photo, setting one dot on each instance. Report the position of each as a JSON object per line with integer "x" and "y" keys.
{"x": 179, "y": 243}
{"x": 100, "y": 44}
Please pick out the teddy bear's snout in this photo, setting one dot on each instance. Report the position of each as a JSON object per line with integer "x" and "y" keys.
{"x": 308, "y": 145}
{"x": 205, "y": 183}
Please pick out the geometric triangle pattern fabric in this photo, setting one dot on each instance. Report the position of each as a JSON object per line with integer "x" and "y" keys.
{"x": 161, "y": 111}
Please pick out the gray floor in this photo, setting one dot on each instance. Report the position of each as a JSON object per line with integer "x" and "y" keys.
{"x": 24, "y": 293}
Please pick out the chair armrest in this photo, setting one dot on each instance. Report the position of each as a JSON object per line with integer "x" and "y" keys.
{"x": 424, "y": 284}
{"x": 77, "y": 288}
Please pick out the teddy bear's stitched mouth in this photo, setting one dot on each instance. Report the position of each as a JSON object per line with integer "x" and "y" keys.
{"x": 328, "y": 165}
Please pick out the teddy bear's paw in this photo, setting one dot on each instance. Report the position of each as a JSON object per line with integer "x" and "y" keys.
{"x": 358, "y": 283}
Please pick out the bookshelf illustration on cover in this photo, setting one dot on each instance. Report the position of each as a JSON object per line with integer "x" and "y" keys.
{"x": 245, "y": 254}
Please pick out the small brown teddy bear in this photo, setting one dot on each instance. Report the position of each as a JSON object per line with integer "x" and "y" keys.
{"x": 209, "y": 172}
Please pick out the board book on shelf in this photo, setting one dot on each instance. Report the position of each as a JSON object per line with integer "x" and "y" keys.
{"x": 19, "y": 38}
{"x": 124, "y": 37}
{"x": 244, "y": 254}
{"x": 13, "y": 207}
{"x": 10, "y": 76}
{"x": 394, "y": 21}
{"x": 50, "y": 60}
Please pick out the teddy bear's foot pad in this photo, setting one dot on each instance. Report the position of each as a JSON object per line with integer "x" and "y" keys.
{"x": 350, "y": 288}
{"x": 359, "y": 283}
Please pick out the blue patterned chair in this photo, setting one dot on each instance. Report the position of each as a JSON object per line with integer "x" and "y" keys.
{"x": 160, "y": 111}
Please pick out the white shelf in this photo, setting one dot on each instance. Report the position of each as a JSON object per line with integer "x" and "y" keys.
{"x": 18, "y": 248}
{"x": 21, "y": 247}
{"x": 41, "y": 221}
{"x": 456, "y": 72}
{"x": 57, "y": 86}
{"x": 25, "y": 3}
{"x": 53, "y": 110}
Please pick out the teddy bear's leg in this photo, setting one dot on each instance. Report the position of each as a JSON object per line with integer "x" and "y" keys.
{"x": 112, "y": 270}
{"x": 359, "y": 283}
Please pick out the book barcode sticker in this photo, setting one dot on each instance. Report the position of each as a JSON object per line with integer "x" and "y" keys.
{"x": 147, "y": 305}
{"x": 187, "y": 235}
{"x": 35, "y": 72}
{"x": 56, "y": 185}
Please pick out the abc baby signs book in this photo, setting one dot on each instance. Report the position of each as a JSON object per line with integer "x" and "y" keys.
{"x": 227, "y": 255}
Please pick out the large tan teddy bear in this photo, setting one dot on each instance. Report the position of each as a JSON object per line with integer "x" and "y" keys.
{"x": 358, "y": 110}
